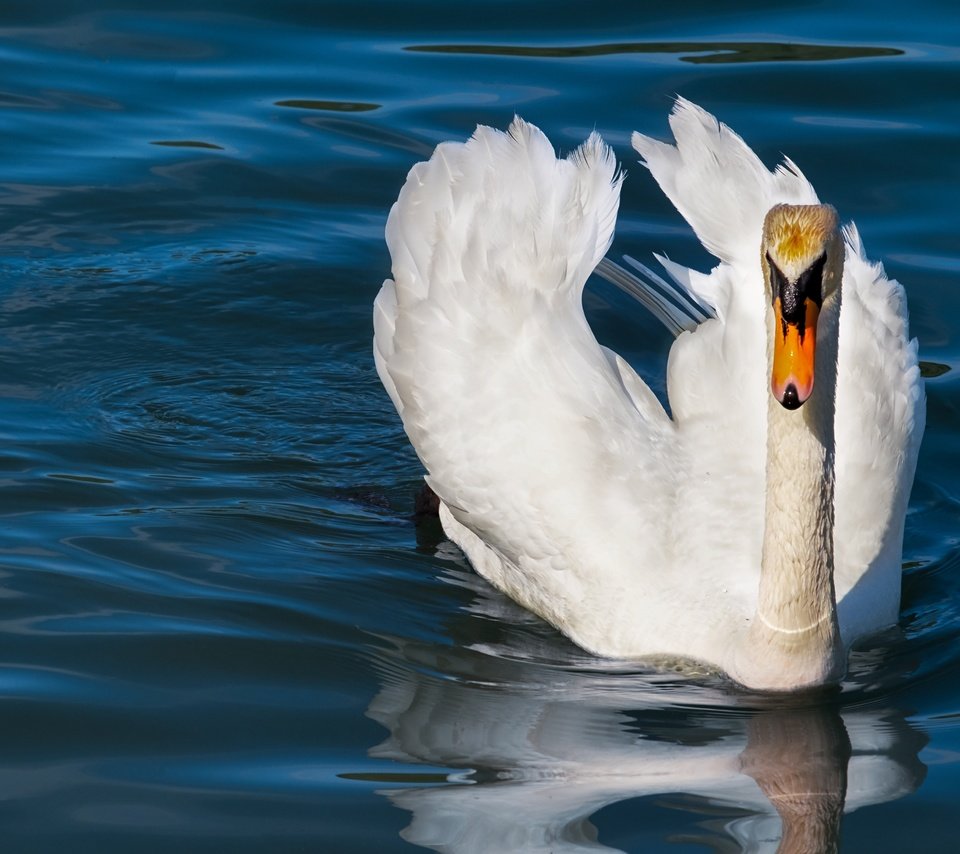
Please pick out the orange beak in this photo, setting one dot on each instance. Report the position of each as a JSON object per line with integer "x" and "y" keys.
{"x": 793, "y": 354}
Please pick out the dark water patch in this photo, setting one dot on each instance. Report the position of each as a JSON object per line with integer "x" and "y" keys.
{"x": 335, "y": 106}
{"x": 715, "y": 52}
{"x": 187, "y": 143}
{"x": 932, "y": 370}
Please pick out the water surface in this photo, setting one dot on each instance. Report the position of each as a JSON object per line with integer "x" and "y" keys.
{"x": 220, "y": 628}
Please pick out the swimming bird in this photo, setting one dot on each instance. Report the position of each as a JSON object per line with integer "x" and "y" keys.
{"x": 757, "y": 527}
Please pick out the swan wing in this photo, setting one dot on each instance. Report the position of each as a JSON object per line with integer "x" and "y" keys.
{"x": 550, "y": 455}
{"x": 718, "y": 184}
{"x": 881, "y": 412}
{"x": 724, "y": 191}
{"x": 716, "y": 375}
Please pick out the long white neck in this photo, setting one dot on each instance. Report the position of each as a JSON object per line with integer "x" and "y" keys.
{"x": 794, "y": 638}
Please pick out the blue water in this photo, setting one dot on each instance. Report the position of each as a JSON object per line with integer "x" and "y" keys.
{"x": 220, "y": 629}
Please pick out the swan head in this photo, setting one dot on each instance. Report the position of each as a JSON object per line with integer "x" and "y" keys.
{"x": 802, "y": 260}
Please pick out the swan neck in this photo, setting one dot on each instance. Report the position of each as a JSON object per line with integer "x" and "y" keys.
{"x": 794, "y": 638}
{"x": 796, "y": 581}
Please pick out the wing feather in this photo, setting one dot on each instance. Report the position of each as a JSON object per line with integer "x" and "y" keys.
{"x": 528, "y": 430}
{"x": 881, "y": 412}
{"x": 559, "y": 471}
{"x": 717, "y": 183}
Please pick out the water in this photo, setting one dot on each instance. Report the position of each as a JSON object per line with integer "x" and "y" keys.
{"x": 220, "y": 629}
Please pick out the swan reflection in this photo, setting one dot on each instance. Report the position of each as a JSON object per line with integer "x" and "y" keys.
{"x": 544, "y": 746}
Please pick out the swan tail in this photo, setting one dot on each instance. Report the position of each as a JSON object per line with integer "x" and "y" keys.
{"x": 717, "y": 183}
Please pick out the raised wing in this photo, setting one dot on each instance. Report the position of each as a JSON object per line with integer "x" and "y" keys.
{"x": 716, "y": 376}
{"x": 538, "y": 442}
{"x": 719, "y": 185}
{"x": 724, "y": 190}
{"x": 881, "y": 413}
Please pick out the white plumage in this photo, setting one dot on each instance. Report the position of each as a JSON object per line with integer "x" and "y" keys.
{"x": 560, "y": 474}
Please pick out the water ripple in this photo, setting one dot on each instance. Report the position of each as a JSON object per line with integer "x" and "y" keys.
{"x": 220, "y": 624}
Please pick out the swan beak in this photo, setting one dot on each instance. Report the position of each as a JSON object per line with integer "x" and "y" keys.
{"x": 794, "y": 346}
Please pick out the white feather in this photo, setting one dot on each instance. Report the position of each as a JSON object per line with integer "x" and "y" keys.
{"x": 560, "y": 475}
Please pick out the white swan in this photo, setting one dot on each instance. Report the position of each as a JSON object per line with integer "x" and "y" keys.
{"x": 746, "y": 531}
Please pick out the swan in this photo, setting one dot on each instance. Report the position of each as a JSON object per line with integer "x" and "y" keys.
{"x": 757, "y": 528}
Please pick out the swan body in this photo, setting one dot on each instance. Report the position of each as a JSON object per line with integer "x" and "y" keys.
{"x": 734, "y": 531}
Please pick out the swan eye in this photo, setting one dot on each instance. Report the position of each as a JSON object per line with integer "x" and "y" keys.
{"x": 793, "y": 295}
{"x": 810, "y": 281}
{"x": 778, "y": 282}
